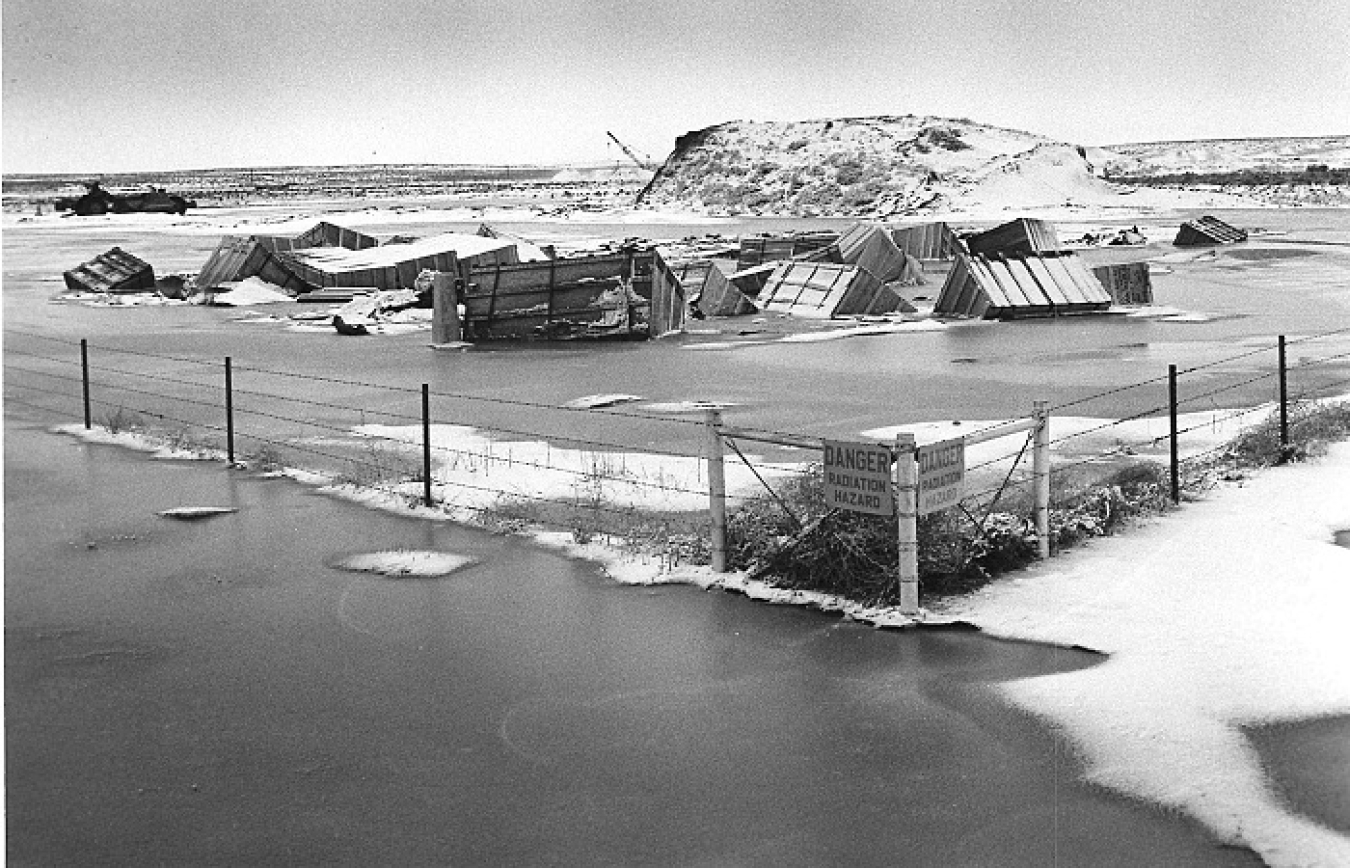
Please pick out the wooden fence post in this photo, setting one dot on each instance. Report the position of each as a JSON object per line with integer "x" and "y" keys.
{"x": 426, "y": 444}
{"x": 84, "y": 376}
{"x": 1040, "y": 464}
{"x": 717, "y": 491}
{"x": 229, "y": 412}
{"x": 907, "y": 522}
{"x": 1284, "y": 403}
{"x": 1172, "y": 431}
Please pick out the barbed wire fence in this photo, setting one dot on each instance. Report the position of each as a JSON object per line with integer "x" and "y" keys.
{"x": 508, "y": 464}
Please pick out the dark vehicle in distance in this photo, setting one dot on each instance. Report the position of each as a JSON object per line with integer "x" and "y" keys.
{"x": 99, "y": 201}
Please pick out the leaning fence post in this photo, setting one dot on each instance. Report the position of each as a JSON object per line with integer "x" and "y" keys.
{"x": 229, "y": 412}
{"x": 907, "y": 522}
{"x": 84, "y": 377}
{"x": 1172, "y": 431}
{"x": 717, "y": 491}
{"x": 426, "y": 444}
{"x": 1040, "y": 465}
{"x": 1284, "y": 402}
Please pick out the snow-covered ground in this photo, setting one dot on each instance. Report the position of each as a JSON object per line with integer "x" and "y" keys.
{"x": 1226, "y": 615}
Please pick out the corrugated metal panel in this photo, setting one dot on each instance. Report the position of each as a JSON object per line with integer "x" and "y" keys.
{"x": 1055, "y": 284}
{"x": 1093, "y": 294}
{"x": 1018, "y": 295}
{"x": 114, "y": 271}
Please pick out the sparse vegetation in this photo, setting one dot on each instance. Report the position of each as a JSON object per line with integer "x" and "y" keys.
{"x": 121, "y": 419}
{"x": 800, "y": 544}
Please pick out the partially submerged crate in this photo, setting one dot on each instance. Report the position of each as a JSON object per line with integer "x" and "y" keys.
{"x": 1205, "y": 231}
{"x": 630, "y": 294}
{"x": 823, "y": 290}
{"x": 1128, "y": 283}
{"x": 709, "y": 290}
{"x": 771, "y": 248}
{"x": 1023, "y": 235}
{"x": 928, "y": 242}
{"x": 115, "y": 272}
{"x": 1015, "y": 286}
{"x": 870, "y": 246}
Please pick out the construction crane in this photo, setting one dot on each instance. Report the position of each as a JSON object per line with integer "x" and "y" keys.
{"x": 628, "y": 152}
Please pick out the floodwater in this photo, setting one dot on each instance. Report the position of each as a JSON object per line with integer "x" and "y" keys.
{"x": 1293, "y": 282}
{"x": 219, "y": 693}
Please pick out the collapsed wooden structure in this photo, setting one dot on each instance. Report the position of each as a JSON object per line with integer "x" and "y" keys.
{"x": 1206, "y": 231}
{"x": 630, "y": 294}
{"x": 1009, "y": 286}
{"x": 239, "y": 257}
{"x": 395, "y": 266}
{"x": 113, "y": 272}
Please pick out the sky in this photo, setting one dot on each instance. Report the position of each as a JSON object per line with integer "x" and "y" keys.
{"x": 140, "y": 85}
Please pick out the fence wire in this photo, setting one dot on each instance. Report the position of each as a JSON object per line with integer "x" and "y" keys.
{"x": 591, "y": 485}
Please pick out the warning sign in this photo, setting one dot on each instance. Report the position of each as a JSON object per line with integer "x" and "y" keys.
{"x": 942, "y": 474}
{"x": 858, "y": 477}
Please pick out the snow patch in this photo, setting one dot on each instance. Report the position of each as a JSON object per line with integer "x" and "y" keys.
{"x": 399, "y": 563}
{"x": 193, "y": 513}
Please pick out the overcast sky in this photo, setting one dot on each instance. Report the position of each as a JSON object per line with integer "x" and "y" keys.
{"x": 118, "y": 85}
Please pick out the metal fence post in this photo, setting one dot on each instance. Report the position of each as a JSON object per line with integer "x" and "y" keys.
{"x": 84, "y": 377}
{"x": 1172, "y": 431}
{"x": 426, "y": 444}
{"x": 907, "y": 522}
{"x": 717, "y": 491}
{"x": 1040, "y": 465}
{"x": 1284, "y": 401}
{"x": 229, "y": 412}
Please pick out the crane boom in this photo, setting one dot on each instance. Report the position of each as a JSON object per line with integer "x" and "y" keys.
{"x": 628, "y": 152}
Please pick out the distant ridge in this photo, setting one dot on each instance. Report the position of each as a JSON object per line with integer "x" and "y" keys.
{"x": 1201, "y": 156}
